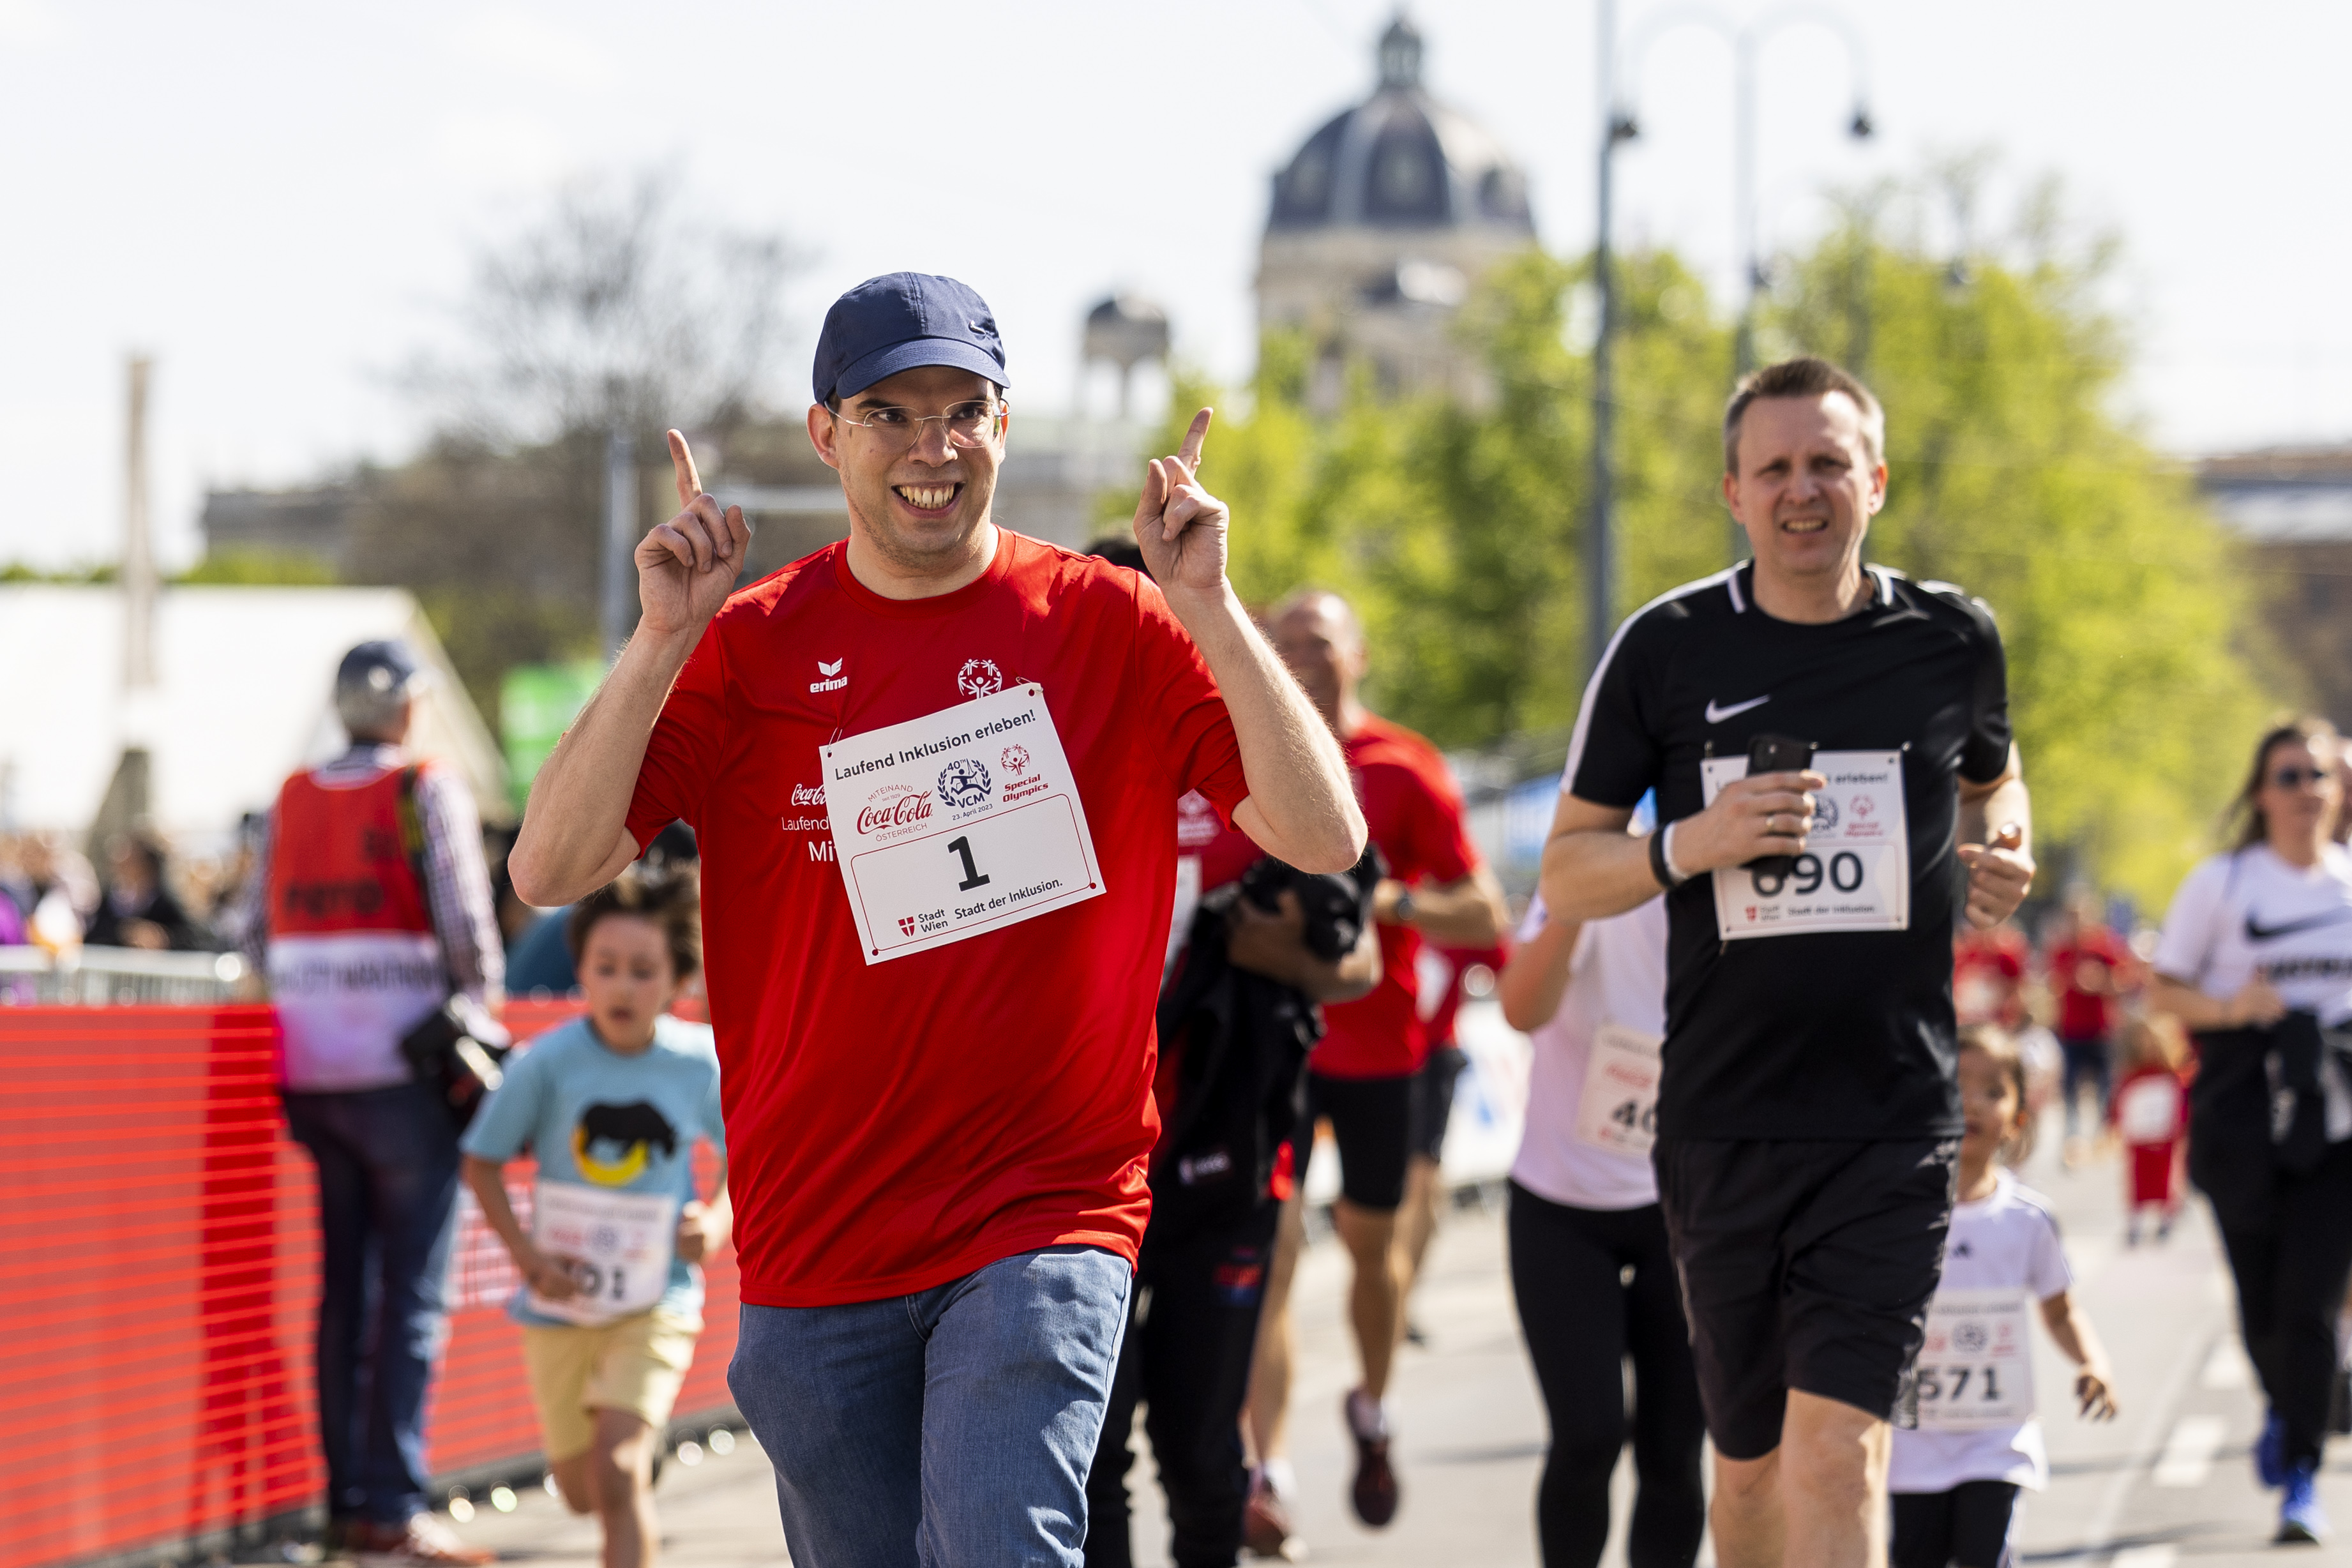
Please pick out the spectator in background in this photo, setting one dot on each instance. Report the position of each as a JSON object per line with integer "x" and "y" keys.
{"x": 2089, "y": 969}
{"x": 60, "y": 889}
{"x": 370, "y": 906}
{"x": 136, "y": 909}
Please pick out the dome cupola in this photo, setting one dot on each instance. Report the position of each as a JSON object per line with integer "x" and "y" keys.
{"x": 1401, "y": 160}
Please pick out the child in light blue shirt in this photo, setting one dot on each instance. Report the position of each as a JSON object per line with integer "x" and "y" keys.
{"x": 611, "y": 1105}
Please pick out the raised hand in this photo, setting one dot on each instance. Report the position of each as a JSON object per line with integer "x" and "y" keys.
{"x": 1181, "y": 527}
{"x": 688, "y": 566}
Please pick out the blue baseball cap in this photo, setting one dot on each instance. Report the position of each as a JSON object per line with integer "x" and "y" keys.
{"x": 899, "y": 321}
{"x": 385, "y": 669}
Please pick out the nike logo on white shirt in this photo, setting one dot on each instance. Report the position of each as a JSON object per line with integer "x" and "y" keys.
{"x": 1716, "y": 715}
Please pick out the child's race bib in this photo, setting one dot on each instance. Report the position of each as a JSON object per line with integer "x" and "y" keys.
{"x": 1975, "y": 1369}
{"x": 616, "y": 1245}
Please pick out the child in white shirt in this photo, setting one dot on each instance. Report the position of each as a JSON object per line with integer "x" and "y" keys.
{"x": 1955, "y": 1480}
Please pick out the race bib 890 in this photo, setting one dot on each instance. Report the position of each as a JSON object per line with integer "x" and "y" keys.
{"x": 1855, "y": 872}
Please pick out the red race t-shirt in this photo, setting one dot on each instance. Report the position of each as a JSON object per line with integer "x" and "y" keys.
{"x": 891, "y": 1127}
{"x": 1988, "y": 974}
{"x": 2085, "y": 1014}
{"x": 1415, "y": 815}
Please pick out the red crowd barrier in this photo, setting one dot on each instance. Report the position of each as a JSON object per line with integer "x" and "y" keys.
{"x": 159, "y": 1259}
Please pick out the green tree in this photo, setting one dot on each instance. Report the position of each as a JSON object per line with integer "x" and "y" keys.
{"x": 1456, "y": 527}
{"x": 2120, "y": 599}
{"x": 246, "y": 567}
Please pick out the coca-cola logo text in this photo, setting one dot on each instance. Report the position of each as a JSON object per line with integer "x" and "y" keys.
{"x": 897, "y": 812}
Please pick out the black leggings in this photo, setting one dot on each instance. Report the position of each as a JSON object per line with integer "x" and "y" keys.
{"x": 1968, "y": 1525}
{"x": 2290, "y": 1278}
{"x": 1582, "y": 1315}
{"x": 1191, "y": 1328}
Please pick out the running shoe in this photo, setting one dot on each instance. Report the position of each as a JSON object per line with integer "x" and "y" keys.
{"x": 424, "y": 1540}
{"x": 1265, "y": 1522}
{"x": 1374, "y": 1493}
{"x": 2270, "y": 1452}
{"x": 2301, "y": 1519}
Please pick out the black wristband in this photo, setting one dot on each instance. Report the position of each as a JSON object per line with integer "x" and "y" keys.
{"x": 1658, "y": 867}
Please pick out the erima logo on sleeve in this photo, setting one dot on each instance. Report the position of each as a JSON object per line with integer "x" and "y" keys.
{"x": 834, "y": 681}
{"x": 612, "y": 1143}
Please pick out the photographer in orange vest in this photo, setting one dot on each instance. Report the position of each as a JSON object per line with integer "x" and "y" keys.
{"x": 372, "y": 909}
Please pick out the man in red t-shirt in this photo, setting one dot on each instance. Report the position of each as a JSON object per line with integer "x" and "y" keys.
{"x": 932, "y": 770}
{"x": 2089, "y": 968}
{"x": 1361, "y": 1077}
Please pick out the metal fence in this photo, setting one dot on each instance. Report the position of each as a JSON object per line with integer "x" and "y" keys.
{"x": 116, "y": 977}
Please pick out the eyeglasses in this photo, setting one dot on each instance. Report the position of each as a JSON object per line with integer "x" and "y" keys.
{"x": 2295, "y": 778}
{"x": 967, "y": 424}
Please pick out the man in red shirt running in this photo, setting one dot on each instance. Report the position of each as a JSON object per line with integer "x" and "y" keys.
{"x": 1361, "y": 1077}
{"x": 932, "y": 770}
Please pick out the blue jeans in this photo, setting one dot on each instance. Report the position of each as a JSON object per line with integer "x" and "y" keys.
{"x": 954, "y": 1425}
{"x": 387, "y": 1162}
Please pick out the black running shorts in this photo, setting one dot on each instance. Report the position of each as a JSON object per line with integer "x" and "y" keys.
{"x": 1432, "y": 1100}
{"x": 1371, "y": 1121}
{"x": 1806, "y": 1264}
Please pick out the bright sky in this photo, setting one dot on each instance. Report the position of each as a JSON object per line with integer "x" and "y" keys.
{"x": 280, "y": 200}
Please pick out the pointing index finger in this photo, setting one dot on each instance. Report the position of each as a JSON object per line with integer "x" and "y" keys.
{"x": 682, "y": 461}
{"x": 1190, "y": 453}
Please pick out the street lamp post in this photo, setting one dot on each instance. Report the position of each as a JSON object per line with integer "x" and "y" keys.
{"x": 1620, "y": 125}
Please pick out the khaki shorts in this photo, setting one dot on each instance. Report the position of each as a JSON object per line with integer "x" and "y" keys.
{"x": 636, "y": 1364}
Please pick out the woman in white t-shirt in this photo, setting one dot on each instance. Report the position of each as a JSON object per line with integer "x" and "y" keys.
{"x": 1954, "y": 1479}
{"x": 1590, "y": 1265}
{"x": 2256, "y": 959}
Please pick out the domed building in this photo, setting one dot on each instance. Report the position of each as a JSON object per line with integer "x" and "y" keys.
{"x": 1379, "y": 226}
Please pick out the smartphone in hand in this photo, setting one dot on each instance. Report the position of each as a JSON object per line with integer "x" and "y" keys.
{"x": 1776, "y": 754}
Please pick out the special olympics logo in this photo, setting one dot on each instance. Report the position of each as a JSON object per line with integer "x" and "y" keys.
{"x": 1862, "y": 806}
{"x": 979, "y": 676}
{"x": 1015, "y": 759}
{"x": 1825, "y": 812}
{"x": 963, "y": 783}
{"x": 1971, "y": 1338}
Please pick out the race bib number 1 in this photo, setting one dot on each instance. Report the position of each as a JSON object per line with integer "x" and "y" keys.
{"x": 616, "y": 1245}
{"x": 964, "y": 821}
{"x": 1855, "y": 872}
{"x": 1976, "y": 1368}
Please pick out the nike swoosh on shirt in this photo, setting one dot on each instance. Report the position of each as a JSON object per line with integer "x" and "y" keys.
{"x": 2257, "y": 931}
{"x": 1716, "y": 715}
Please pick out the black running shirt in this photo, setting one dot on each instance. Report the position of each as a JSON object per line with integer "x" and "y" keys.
{"x": 1823, "y": 1034}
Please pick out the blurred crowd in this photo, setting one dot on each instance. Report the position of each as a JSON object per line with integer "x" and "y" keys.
{"x": 139, "y": 894}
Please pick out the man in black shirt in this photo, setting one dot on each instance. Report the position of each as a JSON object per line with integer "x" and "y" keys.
{"x": 1807, "y": 1121}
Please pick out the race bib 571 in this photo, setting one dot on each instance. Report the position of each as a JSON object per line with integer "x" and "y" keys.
{"x": 1976, "y": 1367}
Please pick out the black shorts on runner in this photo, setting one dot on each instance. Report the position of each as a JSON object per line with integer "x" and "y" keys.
{"x": 1433, "y": 1100}
{"x": 1806, "y": 1264}
{"x": 1371, "y": 1121}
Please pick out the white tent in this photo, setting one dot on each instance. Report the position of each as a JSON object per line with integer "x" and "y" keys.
{"x": 244, "y": 696}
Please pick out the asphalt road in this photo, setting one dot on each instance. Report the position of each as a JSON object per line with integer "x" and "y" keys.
{"x": 2167, "y": 1486}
